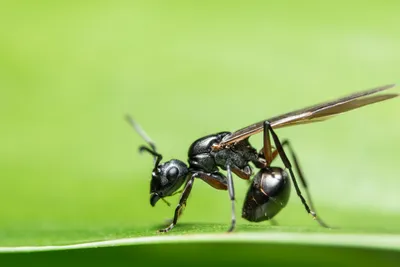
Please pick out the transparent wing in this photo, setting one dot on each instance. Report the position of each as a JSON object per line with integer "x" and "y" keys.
{"x": 314, "y": 113}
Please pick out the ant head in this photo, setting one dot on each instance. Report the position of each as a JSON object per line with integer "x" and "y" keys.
{"x": 167, "y": 177}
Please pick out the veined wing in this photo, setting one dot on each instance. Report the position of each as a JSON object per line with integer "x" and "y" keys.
{"x": 316, "y": 113}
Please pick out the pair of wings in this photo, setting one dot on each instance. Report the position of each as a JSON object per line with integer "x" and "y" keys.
{"x": 314, "y": 113}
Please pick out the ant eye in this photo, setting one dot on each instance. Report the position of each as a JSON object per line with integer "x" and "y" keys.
{"x": 172, "y": 173}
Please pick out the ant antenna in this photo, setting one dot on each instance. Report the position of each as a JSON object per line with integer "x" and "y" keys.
{"x": 156, "y": 157}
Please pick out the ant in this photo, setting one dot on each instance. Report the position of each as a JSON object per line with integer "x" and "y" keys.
{"x": 232, "y": 152}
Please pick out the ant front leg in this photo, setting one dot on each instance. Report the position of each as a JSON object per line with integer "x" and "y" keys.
{"x": 182, "y": 203}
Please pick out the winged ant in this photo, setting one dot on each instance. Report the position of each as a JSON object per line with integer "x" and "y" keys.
{"x": 232, "y": 152}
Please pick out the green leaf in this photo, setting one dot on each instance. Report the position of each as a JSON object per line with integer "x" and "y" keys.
{"x": 74, "y": 189}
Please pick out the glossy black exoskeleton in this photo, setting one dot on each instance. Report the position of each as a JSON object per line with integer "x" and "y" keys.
{"x": 168, "y": 177}
{"x": 270, "y": 188}
{"x": 203, "y": 159}
{"x": 268, "y": 193}
{"x": 204, "y": 163}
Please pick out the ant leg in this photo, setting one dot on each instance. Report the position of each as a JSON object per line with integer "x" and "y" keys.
{"x": 216, "y": 180}
{"x": 231, "y": 196}
{"x": 275, "y": 153}
{"x": 244, "y": 173}
{"x": 288, "y": 165}
{"x": 267, "y": 149}
{"x": 182, "y": 203}
{"x": 287, "y": 144}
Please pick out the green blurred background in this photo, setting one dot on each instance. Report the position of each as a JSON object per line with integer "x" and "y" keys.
{"x": 69, "y": 72}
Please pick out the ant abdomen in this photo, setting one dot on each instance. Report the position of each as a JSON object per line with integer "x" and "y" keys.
{"x": 268, "y": 193}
